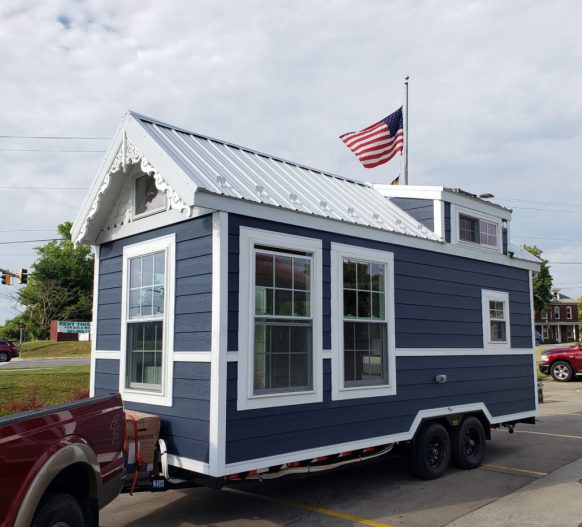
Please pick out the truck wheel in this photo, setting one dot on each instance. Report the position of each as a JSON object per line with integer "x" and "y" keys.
{"x": 468, "y": 449}
{"x": 58, "y": 510}
{"x": 4, "y": 356}
{"x": 561, "y": 371}
{"x": 431, "y": 451}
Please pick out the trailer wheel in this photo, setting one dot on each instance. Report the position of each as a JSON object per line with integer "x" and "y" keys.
{"x": 469, "y": 443}
{"x": 58, "y": 510}
{"x": 431, "y": 451}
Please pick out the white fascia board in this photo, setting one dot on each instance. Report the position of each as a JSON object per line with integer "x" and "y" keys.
{"x": 114, "y": 147}
{"x": 477, "y": 205}
{"x": 168, "y": 168}
{"x": 409, "y": 191}
{"x": 268, "y": 212}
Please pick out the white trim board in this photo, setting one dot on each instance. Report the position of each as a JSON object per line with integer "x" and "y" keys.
{"x": 218, "y": 354}
{"x": 188, "y": 464}
{"x": 299, "y": 455}
{"x": 94, "y": 320}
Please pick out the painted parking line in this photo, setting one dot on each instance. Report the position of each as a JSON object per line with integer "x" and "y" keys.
{"x": 312, "y": 508}
{"x": 517, "y": 471}
{"x": 546, "y": 414}
{"x": 547, "y": 434}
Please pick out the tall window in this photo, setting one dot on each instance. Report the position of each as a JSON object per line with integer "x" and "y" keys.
{"x": 364, "y": 321}
{"x": 557, "y": 312}
{"x": 147, "y": 278}
{"x": 569, "y": 312}
{"x": 148, "y": 197}
{"x": 496, "y": 319}
{"x": 147, "y": 333}
{"x": 280, "y": 333}
{"x": 283, "y": 321}
{"x": 362, "y": 300}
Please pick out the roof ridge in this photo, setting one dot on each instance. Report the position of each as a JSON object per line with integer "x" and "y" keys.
{"x": 151, "y": 120}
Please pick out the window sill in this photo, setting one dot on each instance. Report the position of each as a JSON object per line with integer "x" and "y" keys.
{"x": 145, "y": 397}
{"x": 361, "y": 392}
{"x": 275, "y": 400}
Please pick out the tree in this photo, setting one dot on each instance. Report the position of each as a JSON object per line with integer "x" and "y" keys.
{"x": 60, "y": 285}
{"x": 542, "y": 282}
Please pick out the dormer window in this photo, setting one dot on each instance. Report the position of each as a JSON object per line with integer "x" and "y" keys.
{"x": 148, "y": 198}
{"x": 477, "y": 230}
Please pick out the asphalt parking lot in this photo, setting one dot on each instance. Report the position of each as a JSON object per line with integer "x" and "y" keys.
{"x": 529, "y": 478}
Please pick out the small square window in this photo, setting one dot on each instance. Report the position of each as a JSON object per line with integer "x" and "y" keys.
{"x": 478, "y": 231}
{"x": 148, "y": 197}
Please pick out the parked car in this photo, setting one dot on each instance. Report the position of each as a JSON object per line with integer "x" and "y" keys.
{"x": 8, "y": 350}
{"x": 538, "y": 338}
{"x": 563, "y": 364}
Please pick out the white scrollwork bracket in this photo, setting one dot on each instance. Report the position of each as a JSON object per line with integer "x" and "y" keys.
{"x": 174, "y": 201}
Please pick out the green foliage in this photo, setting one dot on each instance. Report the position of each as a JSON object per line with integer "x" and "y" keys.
{"x": 10, "y": 330}
{"x": 542, "y": 281}
{"x": 60, "y": 285}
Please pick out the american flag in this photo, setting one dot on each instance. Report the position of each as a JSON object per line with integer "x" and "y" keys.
{"x": 378, "y": 143}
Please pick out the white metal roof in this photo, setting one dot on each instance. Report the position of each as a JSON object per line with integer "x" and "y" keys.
{"x": 238, "y": 172}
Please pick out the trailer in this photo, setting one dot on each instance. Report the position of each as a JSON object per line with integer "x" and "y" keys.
{"x": 283, "y": 319}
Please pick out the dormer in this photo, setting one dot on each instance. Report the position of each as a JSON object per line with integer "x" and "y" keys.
{"x": 457, "y": 217}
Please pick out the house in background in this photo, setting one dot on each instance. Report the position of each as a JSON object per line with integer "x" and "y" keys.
{"x": 560, "y": 323}
{"x": 270, "y": 312}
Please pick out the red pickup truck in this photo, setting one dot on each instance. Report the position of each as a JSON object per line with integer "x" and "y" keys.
{"x": 60, "y": 465}
{"x": 563, "y": 364}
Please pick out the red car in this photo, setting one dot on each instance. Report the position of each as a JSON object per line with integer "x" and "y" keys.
{"x": 8, "y": 350}
{"x": 563, "y": 364}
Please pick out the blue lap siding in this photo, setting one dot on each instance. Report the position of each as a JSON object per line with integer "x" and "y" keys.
{"x": 505, "y": 384}
{"x": 421, "y": 210}
{"x": 185, "y": 425}
{"x": 438, "y": 304}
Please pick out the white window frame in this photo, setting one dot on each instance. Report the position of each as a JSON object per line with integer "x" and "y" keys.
{"x": 545, "y": 333}
{"x": 249, "y": 238}
{"x": 164, "y": 397}
{"x": 457, "y": 212}
{"x": 495, "y": 296}
{"x": 338, "y": 389}
{"x": 556, "y": 312}
{"x": 569, "y": 312}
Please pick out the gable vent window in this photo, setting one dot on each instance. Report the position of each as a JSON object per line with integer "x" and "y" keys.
{"x": 148, "y": 198}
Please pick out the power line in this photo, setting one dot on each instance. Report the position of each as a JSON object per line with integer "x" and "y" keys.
{"x": 44, "y": 188}
{"x": 28, "y": 230}
{"x": 52, "y": 137}
{"x": 31, "y": 241}
{"x": 55, "y": 151}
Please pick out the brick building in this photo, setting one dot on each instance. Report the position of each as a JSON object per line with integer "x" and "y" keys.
{"x": 560, "y": 323}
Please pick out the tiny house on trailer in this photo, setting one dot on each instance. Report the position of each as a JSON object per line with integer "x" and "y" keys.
{"x": 278, "y": 316}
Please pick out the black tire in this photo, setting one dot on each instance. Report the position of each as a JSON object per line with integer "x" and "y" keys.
{"x": 561, "y": 371}
{"x": 58, "y": 510}
{"x": 4, "y": 356}
{"x": 431, "y": 451}
{"x": 468, "y": 448}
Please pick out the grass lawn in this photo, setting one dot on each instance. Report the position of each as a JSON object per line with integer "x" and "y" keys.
{"x": 25, "y": 389}
{"x": 45, "y": 349}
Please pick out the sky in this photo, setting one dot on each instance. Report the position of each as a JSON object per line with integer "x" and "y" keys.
{"x": 494, "y": 99}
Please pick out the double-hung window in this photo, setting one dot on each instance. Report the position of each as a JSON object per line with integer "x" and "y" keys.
{"x": 362, "y": 297}
{"x": 280, "y": 326}
{"x": 147, "y": 328}
{"x": 496, "y": 323}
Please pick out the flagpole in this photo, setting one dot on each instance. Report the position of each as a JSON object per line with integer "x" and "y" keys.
{"x": 406, "y": 130}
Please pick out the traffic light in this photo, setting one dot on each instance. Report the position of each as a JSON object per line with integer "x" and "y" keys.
{"x": 23, "y": 276}
{"x": 6, "y": 278}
